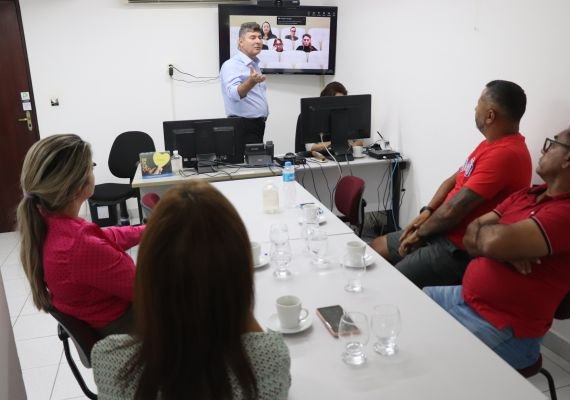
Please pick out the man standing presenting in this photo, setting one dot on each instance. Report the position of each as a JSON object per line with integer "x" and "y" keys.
{"x": 243, "y": 84}
{"x": 520, "y": 272}
{"x": 430, "y": 251}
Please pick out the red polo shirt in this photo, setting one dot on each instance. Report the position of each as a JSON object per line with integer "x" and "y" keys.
{"x": 493, "y": 171}
{"x": 526, "y": 303}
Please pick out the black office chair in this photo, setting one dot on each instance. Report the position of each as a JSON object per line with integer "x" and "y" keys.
{"x": 84, "y": 337}
{"x": 123, "y": 162}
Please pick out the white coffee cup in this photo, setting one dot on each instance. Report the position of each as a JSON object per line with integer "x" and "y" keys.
{"x": 290, "y": 312}
{"x": 357, "y": 151}
{"x": 355, "y": 252}
{"x": 255, "y": 252}
{"x": 310, "y": 214}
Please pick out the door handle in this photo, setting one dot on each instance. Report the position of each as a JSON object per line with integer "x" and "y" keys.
{"x": 28, "y": 120}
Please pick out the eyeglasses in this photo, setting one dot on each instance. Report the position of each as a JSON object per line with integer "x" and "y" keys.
{"x": 549, "y": 142}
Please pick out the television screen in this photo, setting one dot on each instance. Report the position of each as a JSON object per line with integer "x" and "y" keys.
{"x": 296, "y": 40}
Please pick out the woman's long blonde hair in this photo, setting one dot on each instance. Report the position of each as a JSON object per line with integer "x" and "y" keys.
{"x": 55, "y": 170}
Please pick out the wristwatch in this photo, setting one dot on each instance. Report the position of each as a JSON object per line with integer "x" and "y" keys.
{"x": 428, "y": 208}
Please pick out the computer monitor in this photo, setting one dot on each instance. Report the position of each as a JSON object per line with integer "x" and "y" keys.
{"x": 337, "y": 118}
{"x": 203, "y": 138}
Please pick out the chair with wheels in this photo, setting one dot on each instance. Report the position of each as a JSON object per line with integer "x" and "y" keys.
{"x": 348, "y": 200}
{"x": 123, "y": 162}
{"x": 562, "y": 312}
{"x": 84, "y": 337}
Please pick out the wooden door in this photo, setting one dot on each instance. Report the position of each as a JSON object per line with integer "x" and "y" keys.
{"x": 18, "y": 123}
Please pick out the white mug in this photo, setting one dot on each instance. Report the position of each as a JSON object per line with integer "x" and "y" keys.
{"x": 357, "y": 151}
{"x": 310, "y": 214}
{"x": 290, "y": 312}
{"x": 355, "y": 252}
{"x": 255, "y": 252}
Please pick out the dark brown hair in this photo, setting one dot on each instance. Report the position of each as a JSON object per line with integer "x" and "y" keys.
{"x": 333, "y": 88}
{"x": 193, "y": 297}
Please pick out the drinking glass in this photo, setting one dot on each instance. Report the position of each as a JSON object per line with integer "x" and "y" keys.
{"x": 354, "y": 269}
{"x": 280, "y": 250}
{"x": 386, "y": 324}
{"x": 353, "y": 332}
{"x": 317, "y": 242}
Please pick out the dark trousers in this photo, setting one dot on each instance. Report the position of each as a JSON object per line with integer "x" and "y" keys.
{"x": 254, "y": 128}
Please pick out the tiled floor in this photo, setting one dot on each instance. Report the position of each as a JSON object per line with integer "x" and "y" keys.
{"x": 44, "y": 367}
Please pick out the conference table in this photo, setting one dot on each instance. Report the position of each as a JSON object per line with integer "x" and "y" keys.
{"x": 382, "y": 177}
{"x": 438, "y": 357}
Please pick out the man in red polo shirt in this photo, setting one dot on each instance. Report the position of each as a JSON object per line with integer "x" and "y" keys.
{"x": 521, "y": 269}
{"x": 429, "y": 251}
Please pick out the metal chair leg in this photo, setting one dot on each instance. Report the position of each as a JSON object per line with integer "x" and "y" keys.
{"x": 551, "y": 386}
{"x": 65, "y": 339}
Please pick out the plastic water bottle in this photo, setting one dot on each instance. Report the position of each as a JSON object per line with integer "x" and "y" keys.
{"x": 289, "y": 200}
{"x": 270, "y": 198}
{"x": 176, "y": 162}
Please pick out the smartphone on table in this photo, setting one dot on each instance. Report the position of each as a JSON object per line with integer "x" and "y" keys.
{"x": 331, "y": 316}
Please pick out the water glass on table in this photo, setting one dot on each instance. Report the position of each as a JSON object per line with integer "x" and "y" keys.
{"x": 353, "y": 332}
{"x": 354, "y": 265}
{"x": 317, "y": 243}
{"x": 386, "y": 324}
{"x": 280, "y": 250}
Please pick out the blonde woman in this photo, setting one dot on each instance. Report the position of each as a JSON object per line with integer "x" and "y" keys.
{"x": 72, "y": 265}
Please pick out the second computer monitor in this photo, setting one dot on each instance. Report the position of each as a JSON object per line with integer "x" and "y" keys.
{"x": 337, "y": 118}
{"x": 222, "y": 137}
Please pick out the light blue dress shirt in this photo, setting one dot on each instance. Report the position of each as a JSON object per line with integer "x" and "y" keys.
{"x": 234, "y": 72}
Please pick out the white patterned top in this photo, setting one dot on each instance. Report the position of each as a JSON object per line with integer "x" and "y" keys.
{"x": 267, "y": 352}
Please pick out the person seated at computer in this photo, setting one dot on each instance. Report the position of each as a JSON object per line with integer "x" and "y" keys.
{"x": 332, "y": 89}
{"x": 519, "y": 274}
{"x": 292, "y": 34}
{"x": 266, "y": 32}
{"x": 307, "y": 47}
{"x": 278, "y": 45}
{"x": 195, "y": 331}
{"x": 72, "y": 265}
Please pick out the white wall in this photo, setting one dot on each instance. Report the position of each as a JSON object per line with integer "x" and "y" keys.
{"x": 425, "y": 64}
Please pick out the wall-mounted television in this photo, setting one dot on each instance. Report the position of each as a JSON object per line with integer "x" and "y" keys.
{"x": 288, "y": 26}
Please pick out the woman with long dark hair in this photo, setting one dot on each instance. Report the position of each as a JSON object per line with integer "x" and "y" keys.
{"x": 195, "y": 333}
{"x": 266, "y": 32}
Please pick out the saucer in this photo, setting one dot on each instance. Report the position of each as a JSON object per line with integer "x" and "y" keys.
{"x": 262, "y": 262}
{"x": 321, "y": 218}
{"x": 360, "y": 156}
{"x": 274, "y": 325}
{"x": 368, "y": 260}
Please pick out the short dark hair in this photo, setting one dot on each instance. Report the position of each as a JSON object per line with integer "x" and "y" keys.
{"x": 249, "y": 27}
{"x": 333, "y": 88}
{"x": 509, "y": 97}
{"x": 307, "y": 35}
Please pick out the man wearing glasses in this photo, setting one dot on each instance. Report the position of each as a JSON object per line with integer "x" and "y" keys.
{"x": 292, "y": 34}
{"x": 430, "y": 250}
{"x": 521, "y": 269}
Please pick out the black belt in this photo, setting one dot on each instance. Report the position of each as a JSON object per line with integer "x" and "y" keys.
{"x": 251, "y": 119}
